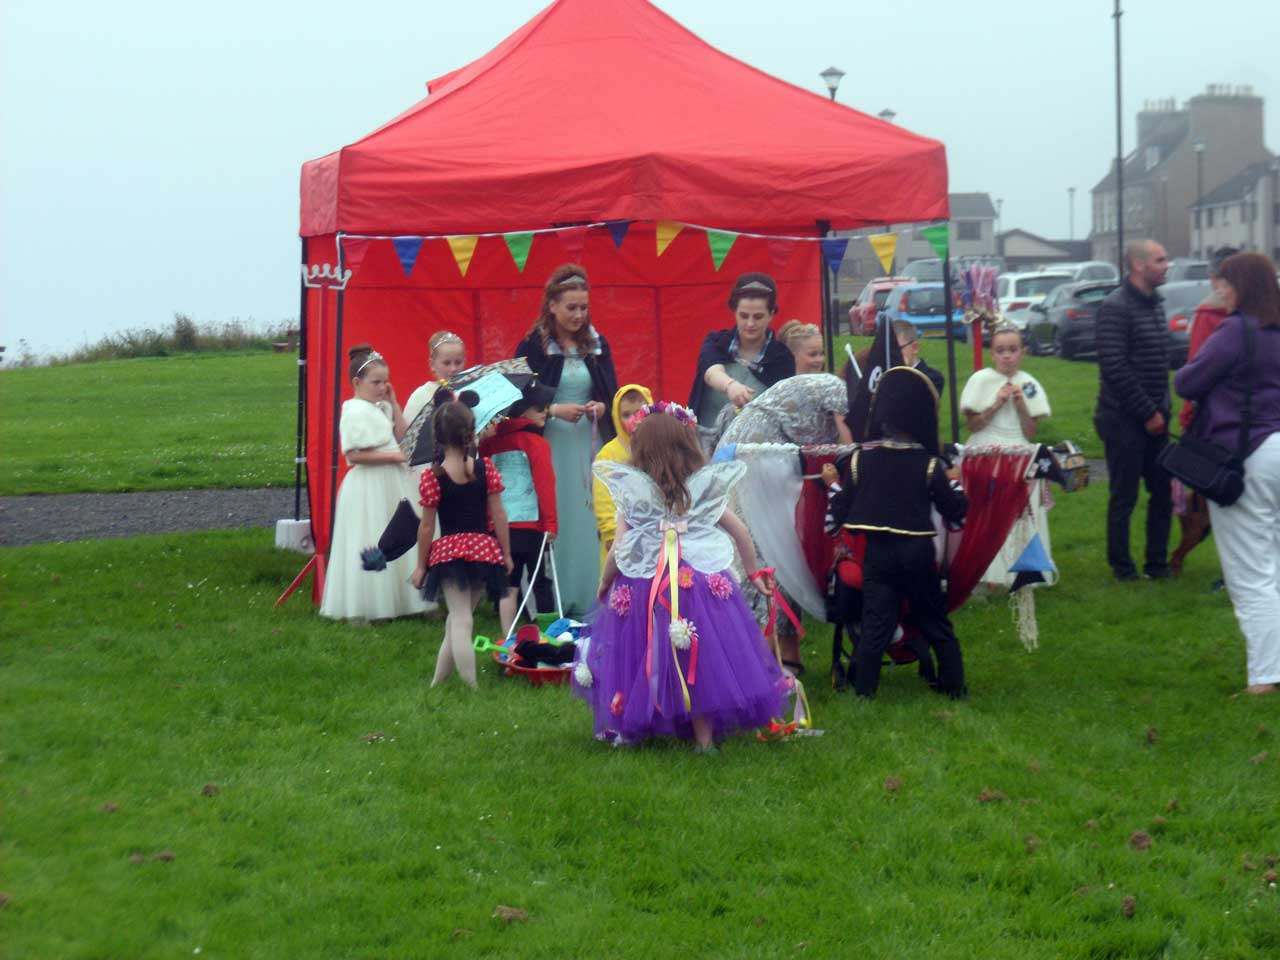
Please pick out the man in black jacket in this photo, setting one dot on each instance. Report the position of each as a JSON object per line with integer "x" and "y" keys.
{"x": 1132, "y": 416}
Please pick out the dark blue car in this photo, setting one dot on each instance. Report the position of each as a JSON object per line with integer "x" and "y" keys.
{"x": 923, "y": 306}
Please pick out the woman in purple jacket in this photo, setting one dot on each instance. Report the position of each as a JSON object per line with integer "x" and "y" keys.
{"x": 1247, "y": 532}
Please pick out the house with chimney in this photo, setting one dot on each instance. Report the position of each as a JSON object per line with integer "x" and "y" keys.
{"x": 1182, "y": 154}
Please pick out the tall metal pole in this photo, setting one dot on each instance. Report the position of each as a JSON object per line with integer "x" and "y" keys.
{"x": 1071, "y": 213}
{"x": 1119, "y": 152}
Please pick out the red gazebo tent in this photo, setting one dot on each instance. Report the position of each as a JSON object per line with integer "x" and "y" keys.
{"x": 595, "y": 112}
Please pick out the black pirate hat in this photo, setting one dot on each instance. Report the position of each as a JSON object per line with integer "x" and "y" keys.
{"x": 905, "y": 402}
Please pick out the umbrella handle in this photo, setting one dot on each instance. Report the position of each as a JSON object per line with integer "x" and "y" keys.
{"x": 555, "y": 580}
{"x": 533, "y": 578}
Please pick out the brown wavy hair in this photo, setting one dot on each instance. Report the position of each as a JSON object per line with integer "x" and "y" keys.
{"x": 567, "y": 276}
{"x": 668, "y": 451}
{"x": 1253, "y": 277}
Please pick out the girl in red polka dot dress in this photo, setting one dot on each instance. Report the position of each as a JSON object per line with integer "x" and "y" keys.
{"x": 473, "y": 554}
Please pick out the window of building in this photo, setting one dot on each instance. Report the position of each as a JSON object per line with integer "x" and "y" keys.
{"x": 1197, "y": 219}
{"x": 1208, "y": 217}
{"x": 1275, "y": 213}
{"x": 969, "y": 230}
{"x": 1226, "y": 214}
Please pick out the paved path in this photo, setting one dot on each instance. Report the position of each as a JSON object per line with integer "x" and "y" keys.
{"x": 84, "y": 516}
{"x": 87, "y": 516}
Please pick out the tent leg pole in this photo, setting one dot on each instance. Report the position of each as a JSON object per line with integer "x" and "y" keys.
{"x": 302, "y": 390}
{"x": 951, "y": 348}
{"x": 297, "y": 581}
{"x": 828, "y": 315}
{"x": 337, "y": 410}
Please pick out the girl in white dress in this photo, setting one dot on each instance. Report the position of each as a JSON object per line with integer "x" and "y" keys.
{"x": 376, "y": 483}
{"x": 1003, "y": 405}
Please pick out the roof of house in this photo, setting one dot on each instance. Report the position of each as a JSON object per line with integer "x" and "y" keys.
{"x": 1169, "y": 131}
{"x": 971, "y": 206}
{"x": 1235, "y": 189}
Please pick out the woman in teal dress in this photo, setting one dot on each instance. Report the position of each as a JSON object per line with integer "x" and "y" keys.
{"x": 567, "y": 354}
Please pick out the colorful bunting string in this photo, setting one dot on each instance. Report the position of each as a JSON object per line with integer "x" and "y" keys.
{"x": 884, "y": 244}
{"x": 519, "y": 245}
{"x": 938, "y": 236}
{"x": 463, "y": 249}
{"x": 666, "y": 231}
{"x": 407, "y": 251}
{"x": 720, "y": 242}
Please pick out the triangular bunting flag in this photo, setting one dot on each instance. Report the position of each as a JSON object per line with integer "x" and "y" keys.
{"x": 779, "y": 253}
{"x": 937, "y": 235}
{"x": 667, "y": 231}
{"x": 884, "y": 244}
{"x": 720, "y": 242}
{"x": 833, "y": 249}
{"x": 618, "y": 230}
{"x": 353, "y": 251}
{"x": 519, "y": 244}
{"x": 463, "y": 248}
{"x": 407, "y": 250}
{"x": 1033, "y": 557}
{"x": 574, "y": 240}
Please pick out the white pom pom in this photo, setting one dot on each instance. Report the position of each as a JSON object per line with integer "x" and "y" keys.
{"x": 681, "y": 634}
{"x": 582, "y": 673}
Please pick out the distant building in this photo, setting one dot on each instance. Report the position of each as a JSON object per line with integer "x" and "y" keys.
{"x": 1024, "y": 250}
{"x": 973, "y": 218}
{"x": 1181, "y": 153}
{"x": 1244, "y": 212}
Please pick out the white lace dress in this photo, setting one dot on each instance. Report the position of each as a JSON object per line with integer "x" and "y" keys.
{"x": 367, "y": 498}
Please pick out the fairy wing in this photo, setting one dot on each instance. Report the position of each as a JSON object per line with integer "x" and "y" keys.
{"x": 641, "y": 505}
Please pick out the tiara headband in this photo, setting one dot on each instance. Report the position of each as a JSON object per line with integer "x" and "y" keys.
{"x": 448, "y": 337}
{"x": 757, "y": 285}
{"x": 373, "y": 357}
{"x": 683, "y": 414}
{"x": 572, "y": 280}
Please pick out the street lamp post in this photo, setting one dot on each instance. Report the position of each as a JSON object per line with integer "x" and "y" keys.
{"x": 887, "y": 115}
{"x": 1199, "y": 145}
{"x": 831, "y": 77}
{"x": 1071, "y": 213}
{"x": 1119, "y": 151}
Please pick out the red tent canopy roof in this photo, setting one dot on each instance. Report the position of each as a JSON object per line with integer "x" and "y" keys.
{"x": 610, "y": 110}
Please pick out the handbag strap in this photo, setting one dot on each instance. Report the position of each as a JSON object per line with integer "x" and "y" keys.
{"x": 1251, "y": 373}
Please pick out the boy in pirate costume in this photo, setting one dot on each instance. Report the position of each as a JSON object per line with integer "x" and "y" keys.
{"x": 890, "y": 484}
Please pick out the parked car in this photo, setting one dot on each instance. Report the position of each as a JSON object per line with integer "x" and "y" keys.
{"x": 1090, "y": 270}
{"x": 923, "y": 305}
{"x": 1065, "y": 321}
{"x": 929, "y": 270}
{"x": 1017, "y": 291}
{"x": 1180, "y": 301}
{"x": 1184, "y": 268}
{"x": 862, "y": 315}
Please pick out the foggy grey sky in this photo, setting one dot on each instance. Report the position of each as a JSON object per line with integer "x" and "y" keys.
{"x": 152, "y": 150}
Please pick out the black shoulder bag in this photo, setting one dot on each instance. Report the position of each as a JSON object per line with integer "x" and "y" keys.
{"x": 1209, "y": 468}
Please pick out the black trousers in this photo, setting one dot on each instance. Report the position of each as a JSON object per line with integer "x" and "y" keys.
{"x": 524, "y": 555}
{"x": 898, "y": 568}
{"x": 1131, "y": 457}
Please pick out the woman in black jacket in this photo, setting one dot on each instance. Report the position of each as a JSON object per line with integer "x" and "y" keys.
{"x": 737, "y": 363}
{"x": 569, "y": 356}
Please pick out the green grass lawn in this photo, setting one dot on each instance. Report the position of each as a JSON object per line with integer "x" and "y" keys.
{"x": 218, "y": 420}
{"x": 135, "y": 672}
{"x": 172, "y": 423}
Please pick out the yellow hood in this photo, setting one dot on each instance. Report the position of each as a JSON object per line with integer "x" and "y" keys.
{"x": 618, "y": 425}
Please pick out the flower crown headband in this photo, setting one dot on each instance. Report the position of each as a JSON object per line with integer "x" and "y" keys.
{"x": 683, "y": 414}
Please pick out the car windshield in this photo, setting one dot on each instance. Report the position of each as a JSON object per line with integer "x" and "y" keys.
{"x": 1094, "y": 294}
{"x": 1037, "y": 286}
{"x": 1184, "y": 297}
{"x": 928, "y": 270}
{"x": 927, "y": 301}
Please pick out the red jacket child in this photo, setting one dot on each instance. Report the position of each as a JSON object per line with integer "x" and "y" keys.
{"x": 523, "y": 457}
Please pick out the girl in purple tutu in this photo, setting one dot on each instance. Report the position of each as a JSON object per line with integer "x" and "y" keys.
{"x": 674, "y": 649}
